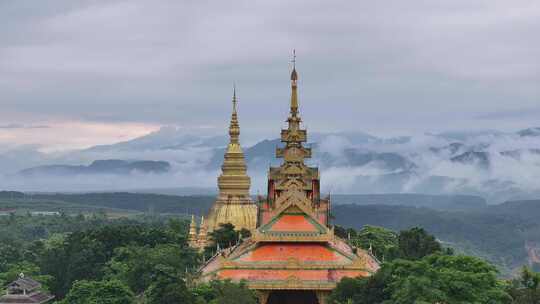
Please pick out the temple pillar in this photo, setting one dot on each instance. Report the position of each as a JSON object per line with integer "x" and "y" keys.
{"x": 263, "y": 296}
{"x": 322, "y": 296}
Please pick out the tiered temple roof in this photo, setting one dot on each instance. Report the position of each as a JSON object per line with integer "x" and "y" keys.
{"x": 293, "y": 248}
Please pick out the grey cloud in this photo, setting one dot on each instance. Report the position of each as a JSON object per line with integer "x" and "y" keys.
{"x": 520, "y": 113}
{"x": 382, "y": 65}
{"x": 22, "y": 126}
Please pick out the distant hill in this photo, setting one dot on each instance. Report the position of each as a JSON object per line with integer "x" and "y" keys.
{"x": 438, "y": 202}
{"x": 466, "y": 135}
{"x": 11, "y": 195}
{"x": 533, "y": 132}
{"x": 111, "y": 166}
{"x": 159, "y": 203}
{"x": 473, "y": 158}
{"x": 499, "y": 233}
{"x": 166, "y": 138}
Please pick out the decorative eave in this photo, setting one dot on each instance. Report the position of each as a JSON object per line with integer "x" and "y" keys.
{"x": 302, "y": 237}
{"x": 292, "y": 283}
{"x": 358, "y": 265}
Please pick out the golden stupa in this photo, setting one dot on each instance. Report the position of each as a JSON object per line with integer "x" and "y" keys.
{"x": 233, "y": 204}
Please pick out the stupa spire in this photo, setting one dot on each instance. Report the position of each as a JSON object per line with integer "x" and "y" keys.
{"x": 234, "y": 127}
{"x": 233, "y": 203}
{"x": 234, "y": 179}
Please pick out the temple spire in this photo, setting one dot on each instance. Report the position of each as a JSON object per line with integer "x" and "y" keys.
{"x": 192, "y": 238}
{"x": 293, "y": 136}
{"x": 294, "y": 95}
{"x": 234, "y": 127}
{"x": 234, "y": 179}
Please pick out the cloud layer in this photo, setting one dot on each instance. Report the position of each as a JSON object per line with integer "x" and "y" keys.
{"x": 493, "y": 164}
{"x": 387, "y": 67}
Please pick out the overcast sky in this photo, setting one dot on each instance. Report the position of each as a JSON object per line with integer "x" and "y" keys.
{"x": 77, "y": 73}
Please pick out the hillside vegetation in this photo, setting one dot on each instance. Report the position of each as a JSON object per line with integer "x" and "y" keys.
{"x": 508, "y": 235}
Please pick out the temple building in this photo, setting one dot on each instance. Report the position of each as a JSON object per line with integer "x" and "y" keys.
{"x": 25, "y": 290}
{"x": 293, "y": 256}
{"x": 233, "y": 204}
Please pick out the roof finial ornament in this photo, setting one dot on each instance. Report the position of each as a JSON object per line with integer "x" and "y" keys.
{"x": 294, "y": 74}
{"x": 234, "y": 97}
{"x": 234, "y": 127}
{"x": 294, "y": 95}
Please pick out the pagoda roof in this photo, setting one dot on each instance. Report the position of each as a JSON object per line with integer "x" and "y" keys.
{"x": 290, "y": 265}
{"x": 25, "y": 283}
{"x": 33, "y": 298}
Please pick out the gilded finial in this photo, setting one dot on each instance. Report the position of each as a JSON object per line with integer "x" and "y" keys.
{"x": 294, "y": 97}
{"x": 234, "y": 98}
{"x": 294, "y": 74}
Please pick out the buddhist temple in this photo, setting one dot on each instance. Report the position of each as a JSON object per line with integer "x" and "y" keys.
{"x": 25, "y": 290}
{"x": 293, "y": 256}
{"x": 233, "y": 204}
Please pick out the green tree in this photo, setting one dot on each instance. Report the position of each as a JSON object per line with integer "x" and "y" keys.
{"x": 433, "y": 279}
{"x": 416, "y": 243}
{"x": 99, "y": 292}
{"x": 83, "y": 255}
{"x": 10, "y": 252}
{"x": 204, "y": 293}
{"x": 168, "y": 287}
{"x": 137, "y": 266}
{"x": 370, "y": 290}
{"x": 345, "y": 233}
{"x": 383, "y": 242}
{"x": 526, "y": 288}
{"x": 225, "y": 292}
{"x": 225, "y": 235}
{"x": 245, "y": 233}
{"x": 445, "y": 279}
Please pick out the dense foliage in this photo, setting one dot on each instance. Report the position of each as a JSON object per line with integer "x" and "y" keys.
{"x": 225, "y": 292}
{"x": 497, "y": 233}
{"x": 422, "y": 271}
{"x": 526, "y": 288}
{"x": 387, "y": 245}
{"x": 433, "y": 279}
{"x": 92, "y": 259}
{"x": 223, "y": 237}
{"x": 102, "y": 292}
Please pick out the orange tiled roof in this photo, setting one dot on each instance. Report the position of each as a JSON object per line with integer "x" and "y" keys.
{"x": 281, "y": 252}
{"x": 293, "y": 222}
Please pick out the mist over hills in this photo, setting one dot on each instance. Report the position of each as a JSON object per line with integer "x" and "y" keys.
{"x": 109, "y": 166}
{"x": 495, "y": 165}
